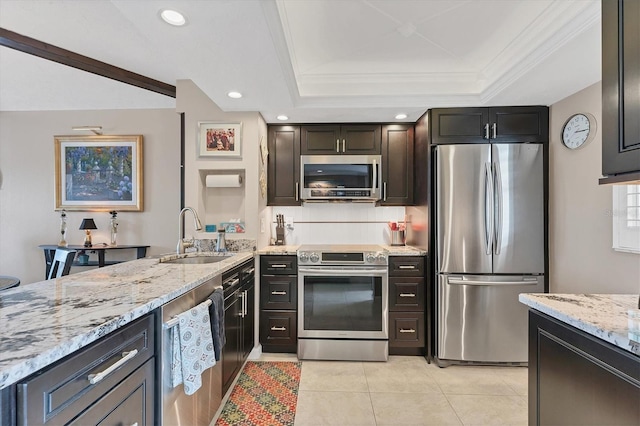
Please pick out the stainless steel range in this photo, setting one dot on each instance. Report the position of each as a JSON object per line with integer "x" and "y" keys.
{"x": 343, "y": 302}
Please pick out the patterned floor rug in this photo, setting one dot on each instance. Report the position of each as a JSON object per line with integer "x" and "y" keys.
{"x": 266, "y": 393}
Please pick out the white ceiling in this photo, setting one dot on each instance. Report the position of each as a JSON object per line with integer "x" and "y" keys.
{"x": 313, "y": 60}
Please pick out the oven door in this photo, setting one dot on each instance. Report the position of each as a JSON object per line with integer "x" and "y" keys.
{"x": 343, "y": 302}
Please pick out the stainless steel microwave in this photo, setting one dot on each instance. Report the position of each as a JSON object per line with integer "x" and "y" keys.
{"x": 340, "y": 177}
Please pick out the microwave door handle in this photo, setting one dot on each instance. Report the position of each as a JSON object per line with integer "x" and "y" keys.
{"x": 374, "y": 185}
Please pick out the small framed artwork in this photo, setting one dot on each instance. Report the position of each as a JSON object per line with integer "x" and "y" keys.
{"x": 219, "y": 139}
{"x": 98, "y": 173}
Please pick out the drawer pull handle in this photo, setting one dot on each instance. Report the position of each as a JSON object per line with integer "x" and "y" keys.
{"x": 407, "y": 267}
{"x": 407, "y": 295}
{"x": 279, "y": 293}
{"x": 126, "y": 356}
{"x": 404, "y": 330}
{"x": 278, "y": 328}
{"x": 279, "y": 265}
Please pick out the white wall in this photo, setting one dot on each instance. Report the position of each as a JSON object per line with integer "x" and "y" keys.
{"x": 580, "y": 234}
{"x": 27, "y": 215}
{"x": 217, "y": 205}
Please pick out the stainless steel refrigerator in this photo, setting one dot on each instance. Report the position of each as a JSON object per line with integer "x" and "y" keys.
{"x": 490, "y": 248}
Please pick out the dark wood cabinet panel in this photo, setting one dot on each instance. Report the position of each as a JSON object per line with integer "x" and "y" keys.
{"x": 620, "y": 89}
{"x": 278, "y": 265}
{"x": 283, "y": 168}
{"x": 397, "y": 165}
{"x": 63, "y": 391}
{"x": 279, "y": 292}
{"x": 575, "y": 378}
{"x": 340, "y": 139}
{"x": 407, "y": 305}
{"x": 490, "y": 125}
{"x": 278, "y": 303}
{"x": 406, "y": 266}
{"x": 406, "y": 330}
{"x": 406, "y": 294}
{"x": 278, "y": 331}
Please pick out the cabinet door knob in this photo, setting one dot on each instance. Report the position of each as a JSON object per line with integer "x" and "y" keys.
{"x": 494, "y": 130}
{"x": 406, "y": 267}
{"x": 486, "y": 131}
{"x": 343, "y": 145}
{"x": 279, "y": 293}
{"x": 278, "y": 328}
{"x": 407, "y": 295}
{"x": 407, "y": 330}
{"x": 337, "y": 145}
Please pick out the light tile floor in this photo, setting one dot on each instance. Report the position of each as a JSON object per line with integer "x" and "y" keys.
{"x": 408, "y": 391}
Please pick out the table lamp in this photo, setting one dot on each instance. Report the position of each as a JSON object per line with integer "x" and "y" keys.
{"x": 88, "y": 225}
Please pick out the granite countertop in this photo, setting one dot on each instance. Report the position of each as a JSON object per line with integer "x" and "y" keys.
{"x": 45, "y": 321}
{"x": 614, "y": 318}
{"x": 393, "y": 250}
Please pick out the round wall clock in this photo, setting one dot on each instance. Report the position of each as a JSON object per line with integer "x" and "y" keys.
{"x": 578, "y": 130}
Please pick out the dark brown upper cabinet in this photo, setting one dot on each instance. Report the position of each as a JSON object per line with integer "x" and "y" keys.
{"x": 337, "y": 139}
{"x": 620, "y": 91}
{"x": 397, "y": 165}
{"x": 490, "y": 125}
{"x": 283, "y": 169}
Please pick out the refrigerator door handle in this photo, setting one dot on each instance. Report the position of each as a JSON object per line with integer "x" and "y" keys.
{"x": 497, "y": 182}
{"x": 488, "y": 208}
{"x": 462, "y": 281}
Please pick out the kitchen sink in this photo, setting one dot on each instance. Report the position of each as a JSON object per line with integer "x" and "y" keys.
{"x": 197, "y": 260}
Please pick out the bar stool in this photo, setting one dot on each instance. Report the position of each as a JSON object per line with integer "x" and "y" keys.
{"x": 7, "y": 282}
{"x": 61, "y": 263}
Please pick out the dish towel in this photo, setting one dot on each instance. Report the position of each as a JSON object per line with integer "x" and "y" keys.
{"x": 216, "y": 314}
{"x": 192, "y": 348}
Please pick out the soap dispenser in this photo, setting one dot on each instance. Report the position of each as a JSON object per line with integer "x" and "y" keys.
{"x": 221, "y": 244}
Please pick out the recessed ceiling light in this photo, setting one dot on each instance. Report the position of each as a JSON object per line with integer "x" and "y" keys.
{"x": 282, "y": 117}
{"x": 173, "y": 17}
{"x": 401, "y": 116}
{"x": 234, "y": 95}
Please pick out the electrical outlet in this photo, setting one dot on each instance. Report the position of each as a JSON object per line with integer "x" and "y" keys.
{"x": 288, "y": 223}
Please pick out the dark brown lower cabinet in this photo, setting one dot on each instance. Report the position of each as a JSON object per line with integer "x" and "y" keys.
{"x": 407, "y": 301}
{"x": 578, "y": 379}
{"x": 84, "y": 389}
{"x": 279, "y": 303}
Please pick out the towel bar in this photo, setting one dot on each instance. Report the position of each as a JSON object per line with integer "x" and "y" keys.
{"x": 175, "y": 320}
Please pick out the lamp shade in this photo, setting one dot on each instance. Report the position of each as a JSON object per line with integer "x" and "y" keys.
{"x": 88, "y": 224}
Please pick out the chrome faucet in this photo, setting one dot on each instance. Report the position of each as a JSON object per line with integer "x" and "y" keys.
{"x": 196, "y": 222}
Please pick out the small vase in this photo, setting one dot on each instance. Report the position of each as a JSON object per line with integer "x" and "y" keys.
{"x": 63, "y": 229}
{"x": 113, "y": 226}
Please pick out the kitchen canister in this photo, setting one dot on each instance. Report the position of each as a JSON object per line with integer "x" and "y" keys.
{"x": 397, "y": 238}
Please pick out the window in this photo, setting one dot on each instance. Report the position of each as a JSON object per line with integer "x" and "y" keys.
{"x": 626, "y": 218}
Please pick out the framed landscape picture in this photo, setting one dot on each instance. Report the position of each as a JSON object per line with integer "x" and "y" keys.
{"x": 219, "y": 139}
{"x": 95, "y": 173}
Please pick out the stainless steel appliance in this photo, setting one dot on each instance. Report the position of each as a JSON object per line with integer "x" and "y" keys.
{"x": 177, "y": 407}
{"x": 340, "y": 177}
{"x": 343, "y": 302}
{"x": 490, "y": 248}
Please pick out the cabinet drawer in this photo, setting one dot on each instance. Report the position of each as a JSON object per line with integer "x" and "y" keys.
{"x": 406, "y": 329}
{"x": 406, "y": 294}
{"x": 62, "y": 391}
{"x": 278, "y": 331}
{"x": 406, "y": 266}
{"x": 131, "y": 402}
{"x": 278, "y": 265}
{"x": 278, "y": 292}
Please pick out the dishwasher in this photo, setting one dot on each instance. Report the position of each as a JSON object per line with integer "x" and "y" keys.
{"x": 177, "y": 407}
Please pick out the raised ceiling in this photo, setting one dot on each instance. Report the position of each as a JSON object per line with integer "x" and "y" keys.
{"x": 313, "y": 60}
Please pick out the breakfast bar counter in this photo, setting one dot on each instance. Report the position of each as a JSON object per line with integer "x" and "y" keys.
{"x": 584, "y": 358}
{"x": 45, "y": 321}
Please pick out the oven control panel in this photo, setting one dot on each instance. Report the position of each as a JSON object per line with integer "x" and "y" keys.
{"x": 314, "y": 256}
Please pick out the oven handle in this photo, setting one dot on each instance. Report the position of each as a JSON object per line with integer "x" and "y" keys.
{"x": 341, "y": 272}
